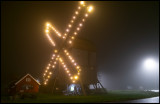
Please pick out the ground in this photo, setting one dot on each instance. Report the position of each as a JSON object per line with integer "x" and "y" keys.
{"x": 111, "y": 96}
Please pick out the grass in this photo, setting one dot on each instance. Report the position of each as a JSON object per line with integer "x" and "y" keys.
{"x": 111, "y": 96}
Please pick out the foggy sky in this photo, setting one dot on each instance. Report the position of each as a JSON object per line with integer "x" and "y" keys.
{"x": 125, "y": 33}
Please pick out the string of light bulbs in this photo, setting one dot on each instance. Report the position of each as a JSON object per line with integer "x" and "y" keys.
{"x": 56, "y": 56}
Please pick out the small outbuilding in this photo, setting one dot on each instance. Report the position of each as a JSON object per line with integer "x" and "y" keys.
{"x": 25, "y": 84}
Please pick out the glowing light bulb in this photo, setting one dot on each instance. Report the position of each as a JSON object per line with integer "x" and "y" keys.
{"x": 75, "y": 33}
{"x": 82, "y": 2}
{"x": 73, "y": 81}
{"x": 48, "y": 24}
{"x": 67, "y": 30}
{"x": 70, "y": 25}
{"x": 79, "y": 7}
{"x": 78, "y": 28}
{"x": 70, "y": 42}
{"x": 72, "y": 21}
{"x": 83, "y": 20}
{"x": 72, "y": 37}
{"x": 90, "y": 8}
{"x": 80, "y": 24}
{"x": 71, "y": 77}
{"x": 75, "y": 64}
{"x": 47, "y": 31}
{"x": 86, "y": 15}
{"x": 74, "y": 17}
{"x": 55, "y": 51}
{"x": 76, "y": 12}
{"x": 50, "y": 73}
{"x": 78, "y": 67}
{"x": 67, "y": 53}
{"x": 76, "y": 77}
{"x": 72, "y": 60}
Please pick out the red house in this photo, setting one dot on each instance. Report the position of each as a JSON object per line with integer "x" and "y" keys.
{"x": 27, "y": 84}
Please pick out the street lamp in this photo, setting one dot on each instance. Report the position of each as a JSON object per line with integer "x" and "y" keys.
{"x": 150, "y": 64}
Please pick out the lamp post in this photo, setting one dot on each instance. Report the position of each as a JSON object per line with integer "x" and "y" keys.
{"x": 151, "y": 65}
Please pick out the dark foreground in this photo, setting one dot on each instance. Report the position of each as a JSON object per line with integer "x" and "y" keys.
{"x": 111, "y": 96}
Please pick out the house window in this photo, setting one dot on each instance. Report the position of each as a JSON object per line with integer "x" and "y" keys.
{"x": 27, "y": 87}
{"x": 28, "y": 79}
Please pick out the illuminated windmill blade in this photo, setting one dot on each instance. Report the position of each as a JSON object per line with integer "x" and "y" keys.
{"x": 77, "y": 67}
{"x": 56, "y": 55}
{"x": 48, "y": 26}
{"x": 72, "y": 21}
{"x": 80, "y": 24}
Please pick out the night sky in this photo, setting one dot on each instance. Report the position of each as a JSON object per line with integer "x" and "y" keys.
{"x": 125, "y": 34}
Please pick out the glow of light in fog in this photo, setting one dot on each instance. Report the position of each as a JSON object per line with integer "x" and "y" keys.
{"x": 150, "y": 64}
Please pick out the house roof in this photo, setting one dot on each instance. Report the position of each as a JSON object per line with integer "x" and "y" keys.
{"x": 26, "y": 76}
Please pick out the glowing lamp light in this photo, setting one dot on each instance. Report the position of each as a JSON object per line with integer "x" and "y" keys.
{"x": 47, "y": 31}
{"x": 82, "y": 3}
{"x": 70, "y": 42}
{"x": 77, "y": 67}
{"x": 47, "y": 24}
{"x": 69, "y": 25}
{"x": 79, "y": 7}
{"x": 78, "y": 28}
{"x": 75, "y": 33}
{"x": 86, "y": 15}
{"x": 80, "y": 24}
{"x": 72, "y": 88}
{"x": 76, "y": 12}
{"x": 76, "y": 77}
{"x": 90, "y": 8}
{"x": 55, "y": 51}
{"x": 149, "y": 64}
{"x": 74, "y": 17}
{"x": 67, "y": 30}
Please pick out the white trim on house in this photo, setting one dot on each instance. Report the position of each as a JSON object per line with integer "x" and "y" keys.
{"x": 24, "y": 77}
